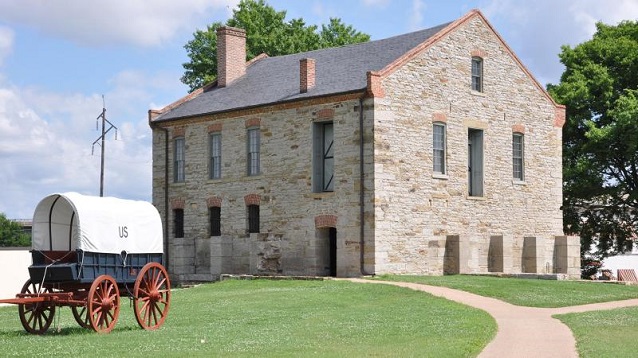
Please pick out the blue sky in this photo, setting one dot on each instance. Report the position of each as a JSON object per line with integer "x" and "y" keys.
{"x": 57, "y": 59}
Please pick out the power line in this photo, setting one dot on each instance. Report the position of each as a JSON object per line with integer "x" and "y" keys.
{"x": 102, "y": 138}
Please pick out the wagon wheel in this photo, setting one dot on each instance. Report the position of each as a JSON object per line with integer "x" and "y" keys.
{"x": 103, "y": 304}
{"x": 152, "y": 296}
{"x": 36, "y": 317}
{"x": 81, "y": 315}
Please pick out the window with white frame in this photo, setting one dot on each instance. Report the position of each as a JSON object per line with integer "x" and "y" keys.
{"x": 253, "y": 151}
{"x": 323, "y": 157}
{"x": 518, "y": 156}
{"x": 438, "y": 147}
{"x": 477, "y": 74}
{"x": 215, "y": 151}
{"x": 179, "y": 160}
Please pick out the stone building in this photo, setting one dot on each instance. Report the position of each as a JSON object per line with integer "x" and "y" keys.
{"x": 434, "y": 152}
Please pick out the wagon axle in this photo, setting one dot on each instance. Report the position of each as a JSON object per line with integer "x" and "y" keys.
{"x": 86, "y": 268}
{"x": 99, "y": 308}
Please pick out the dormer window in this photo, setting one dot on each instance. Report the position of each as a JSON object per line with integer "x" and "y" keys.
{"x": 477, "y": 74}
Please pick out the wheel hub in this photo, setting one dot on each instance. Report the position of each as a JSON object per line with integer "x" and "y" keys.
{"x": 154, "y": 295}
{"x": 106, "y": 304}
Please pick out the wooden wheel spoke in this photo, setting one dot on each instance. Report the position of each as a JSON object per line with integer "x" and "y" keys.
{"x": 152, "y": 296}
{"x": 162, "y": 283}
{"x": 35, "y": 317}
{"x": 147, "y": 316}
{"x": 81, "y": 315}
{"x": 144, "y": 291}
{"x": 156, "y": 277}
{"x": 155, "y": 311}
{"x": 104, "y": 304}
{"x": 31, "y": 317}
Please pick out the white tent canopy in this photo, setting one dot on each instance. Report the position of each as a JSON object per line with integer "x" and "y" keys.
{"x": 70, "y": 221}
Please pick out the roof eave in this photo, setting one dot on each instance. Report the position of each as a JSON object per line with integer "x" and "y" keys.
{"x": 160, "y": 121}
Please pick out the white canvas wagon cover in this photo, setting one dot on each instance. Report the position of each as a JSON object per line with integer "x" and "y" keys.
{"x": 70, "y": 221}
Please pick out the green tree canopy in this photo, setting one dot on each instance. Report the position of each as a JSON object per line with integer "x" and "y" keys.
{"x": 267, "y": 31}
{"x": 600, "y": 139}
{"x": 11, "y": 233}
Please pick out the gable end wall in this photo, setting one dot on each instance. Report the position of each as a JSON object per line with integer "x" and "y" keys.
{"x": 416, "y": 210}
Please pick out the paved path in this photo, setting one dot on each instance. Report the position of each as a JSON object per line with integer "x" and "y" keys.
{"x": 522, "y": 331}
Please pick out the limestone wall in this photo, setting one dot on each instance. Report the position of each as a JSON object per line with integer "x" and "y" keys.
{"x": 416, "y": 208}
{"x": 288, "y": 207}
{"x": 415, "y": 221}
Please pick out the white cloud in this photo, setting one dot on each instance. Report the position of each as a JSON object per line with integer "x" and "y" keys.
{"x": 587, "y": 13}
{"x": 6, "y": 42}
{"x": 416, "y": 15}
{"x": 97, "y": 23}
{"x": 541, "y": 27}
{"x": 46, "y": 137}
{"x": 375, "y": 3}
{"x": 318, "y": 8}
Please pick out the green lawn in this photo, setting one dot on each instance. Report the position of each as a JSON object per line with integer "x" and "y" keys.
{"x": 603, "y": 334}
{"x": 600, "y": 334}
{"x": 528, "y": 292}
{"x": 273, "y": 319}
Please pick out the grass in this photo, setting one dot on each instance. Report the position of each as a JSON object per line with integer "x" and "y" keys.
{"x": 602, "y": 334}
{"x": 274, "y": 319}
{"x": 528, "y": 292}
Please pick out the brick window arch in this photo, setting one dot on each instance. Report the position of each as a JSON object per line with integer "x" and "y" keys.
{"x": 325, "y": 221}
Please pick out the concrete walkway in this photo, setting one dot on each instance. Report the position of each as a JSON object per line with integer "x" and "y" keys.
{"x": 522, "y": 331}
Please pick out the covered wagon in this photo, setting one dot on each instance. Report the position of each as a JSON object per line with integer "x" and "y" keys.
{"x": 86, "y": 252}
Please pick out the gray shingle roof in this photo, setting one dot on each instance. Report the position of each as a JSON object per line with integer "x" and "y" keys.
{"x": 276, "y": 79}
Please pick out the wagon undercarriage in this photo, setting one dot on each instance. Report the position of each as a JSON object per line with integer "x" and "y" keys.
{"x": 87, "y": 253}
{"x": 96, "y": 305}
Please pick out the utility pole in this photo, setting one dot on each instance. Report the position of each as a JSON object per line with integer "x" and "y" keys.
{"x": 101, "y": 138}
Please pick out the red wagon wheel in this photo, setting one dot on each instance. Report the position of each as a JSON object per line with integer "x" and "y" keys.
{"x": 81, "y": 315}
{"x": 36, "y": 317}
{"x": 103, "y": 304}
{"x": 152, "y": 296}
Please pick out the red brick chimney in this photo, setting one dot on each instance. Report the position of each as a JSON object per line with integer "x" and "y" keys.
{"x": 306, "y": 74}
{"x": 231, "y": 54}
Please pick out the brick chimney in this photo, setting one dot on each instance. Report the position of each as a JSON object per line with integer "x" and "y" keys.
{"x": 231, "y": 55}
{"x": 306, "y": 74}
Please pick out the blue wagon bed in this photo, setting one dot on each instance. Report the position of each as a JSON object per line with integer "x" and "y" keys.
{"x": 87, "y": 251}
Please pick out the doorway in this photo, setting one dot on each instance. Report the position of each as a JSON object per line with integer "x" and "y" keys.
{"x": 332, "y": 248}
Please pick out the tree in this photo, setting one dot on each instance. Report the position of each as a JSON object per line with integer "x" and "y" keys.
{"x": 11, "y": 233}
{"x": 267, "y": 31}
{"x": 600, "y": 139}
{"x": 337, "y": 33}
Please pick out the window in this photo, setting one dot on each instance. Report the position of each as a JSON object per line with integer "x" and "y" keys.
{"x": 214, "y": 219}
{"x": 179, "y": 160}
{"x": 215, "y": 165}
{"x": 477, "y": 74}
{"x": 475, "y": 162}
{"x": 323, "y": 157}
{"x": 253, "y": 151}
{"x": 178, "y": 222}
{"x": 253, "y": 218}
{"x": 438, "y": 146}
{"x": 518, "y": 148}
